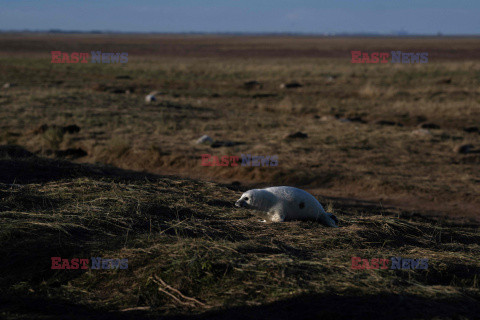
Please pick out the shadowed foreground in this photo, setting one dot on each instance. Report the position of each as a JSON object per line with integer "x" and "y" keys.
{"x": 191, "y": 254}
{"x": 301, "y": 307}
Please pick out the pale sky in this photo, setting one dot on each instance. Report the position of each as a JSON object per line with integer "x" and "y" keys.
{"x": 303, "y": 16}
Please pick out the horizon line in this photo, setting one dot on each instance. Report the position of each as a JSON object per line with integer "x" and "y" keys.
{"x": 246, "y": 33}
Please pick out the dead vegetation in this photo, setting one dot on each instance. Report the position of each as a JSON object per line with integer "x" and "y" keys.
{"x": 379, "y": 145}
{"x": 190, "y": 251}
{"x": 365, "y": 123}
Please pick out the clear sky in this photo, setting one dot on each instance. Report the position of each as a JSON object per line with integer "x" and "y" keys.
{"x": 305, "y": 16}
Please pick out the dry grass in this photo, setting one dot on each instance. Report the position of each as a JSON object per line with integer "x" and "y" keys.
{"x": 396, "y": 192}
{"x": 205, "y": 95}
{"x": 190, "y": 251}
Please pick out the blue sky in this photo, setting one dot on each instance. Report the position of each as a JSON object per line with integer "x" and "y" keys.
{"x": 306, "y": 16}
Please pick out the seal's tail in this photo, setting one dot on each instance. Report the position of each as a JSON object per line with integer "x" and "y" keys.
{"x": 333, "y": 219}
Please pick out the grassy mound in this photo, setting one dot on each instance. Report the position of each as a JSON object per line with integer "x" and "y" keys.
{"x": 192, "y": 254}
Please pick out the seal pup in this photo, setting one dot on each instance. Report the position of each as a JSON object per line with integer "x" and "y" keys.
{"x": 286, "y": 203}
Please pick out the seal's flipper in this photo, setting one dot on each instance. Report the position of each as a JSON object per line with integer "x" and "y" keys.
{"x": 334, "y": 218}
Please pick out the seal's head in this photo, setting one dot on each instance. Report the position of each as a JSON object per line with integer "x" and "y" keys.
{"x": 246, "y": 200}
{"x": 256, "y": 199}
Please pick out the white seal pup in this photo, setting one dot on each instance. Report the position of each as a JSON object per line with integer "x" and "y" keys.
{"x": 286, "y": 203}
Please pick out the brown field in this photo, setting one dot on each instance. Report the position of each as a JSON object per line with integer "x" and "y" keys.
{"x": 382, "y": 152}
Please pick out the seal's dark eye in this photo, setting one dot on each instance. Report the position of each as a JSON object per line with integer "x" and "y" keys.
{"x": 246, "y": 198}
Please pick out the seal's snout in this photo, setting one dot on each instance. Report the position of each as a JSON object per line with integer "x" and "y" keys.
{"x": 239, "y": 204}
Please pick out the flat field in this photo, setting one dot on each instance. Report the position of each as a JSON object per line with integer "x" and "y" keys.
{"x": 392, "y": 149}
